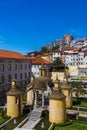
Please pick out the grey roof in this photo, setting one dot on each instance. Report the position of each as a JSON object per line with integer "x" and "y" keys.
{"x": 57, "y": 94}
{"x": 14, "y": 92}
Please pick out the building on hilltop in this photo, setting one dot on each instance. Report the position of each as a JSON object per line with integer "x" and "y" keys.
{"x": 13, "y": 65}
{"x": 67, "y": 39}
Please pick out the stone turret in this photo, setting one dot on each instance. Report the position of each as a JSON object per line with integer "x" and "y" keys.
{"x": 30, "y": 92}
{"x": 57, "y": 105}
{"x": 67, "y": 91}
{"x": 43, "y": 71}
{"x": 14, "y": 101}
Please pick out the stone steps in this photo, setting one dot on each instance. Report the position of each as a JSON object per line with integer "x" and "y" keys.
{"x": 35, "y": 115}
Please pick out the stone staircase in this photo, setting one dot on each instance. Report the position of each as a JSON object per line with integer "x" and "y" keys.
{"x": 35, "y": 115}
{"x": 34, "y": 118}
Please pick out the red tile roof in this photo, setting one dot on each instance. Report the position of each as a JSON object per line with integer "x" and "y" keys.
{"x": 56, "y": 50}
{"x": 71, "y": 48}
{"x": 40, "y": 60}
{"x": 11, "y": 55}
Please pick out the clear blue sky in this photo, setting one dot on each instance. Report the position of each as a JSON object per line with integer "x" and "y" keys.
{"x": 26, "y": 25}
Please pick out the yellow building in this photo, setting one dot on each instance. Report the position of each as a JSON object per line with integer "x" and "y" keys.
{"x": 60, "y": 75}
{"x": 45, "y": 56}
{"x": 30, "y": 96}
{"x": 30, "y": 91}
{"x": 73, "y": 70}
{"x": 67, "y": 91}
{"x": 57, "y": 105}
{"x": 14, "y": 101}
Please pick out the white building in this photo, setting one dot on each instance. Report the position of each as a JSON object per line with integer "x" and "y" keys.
{"x": 56, "y": 53}
{"x": 74, "y": 56}
{"x": 13, "y": 65}
{"x": 36, "y": 64}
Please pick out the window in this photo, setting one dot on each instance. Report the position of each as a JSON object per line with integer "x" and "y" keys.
{"x": 9, "y": 67}
{"x": 21, "y": 66}
{"x": 25, "y": 66}
{"x": 2, "y": 67}
{"x": 21, "y": 76}
{"x": 2, "y": 79}
{"x": 15, "y": 76}
{"x": 15, "y": 67}
{"x": 25, "y": 75}
{"x": 29, "y": 66}
{"x": 29, "y": 74}
{"x": 9, "y": 78}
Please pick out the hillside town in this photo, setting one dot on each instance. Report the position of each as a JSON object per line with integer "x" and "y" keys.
{"x": 72, "y": 52}
{"x": 45, "y": 89}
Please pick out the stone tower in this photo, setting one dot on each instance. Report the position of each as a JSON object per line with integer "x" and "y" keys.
{"x": 57, "y": 105}
{"x": 67, "y": 91}
{"x": 30, "y": 92}
{"x": 43, "y": 71}
{"x": 14, "y": 101}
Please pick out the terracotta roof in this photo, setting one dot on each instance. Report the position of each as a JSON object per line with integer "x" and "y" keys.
{"x": 75, "y": 49}
{"x": 11, "y": 55}
{"x": 71, "y": 48}
{"x": 56, "y": 50}
{"x": 68, "y": 48}
{"x": 40, "y": 60}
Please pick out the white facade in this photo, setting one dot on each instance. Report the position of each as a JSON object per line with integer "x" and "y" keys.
{"x": 35, "y": 70}
{"x": 56, "y": 54}
{"x": 36, "y": 67}
{"x": 75, "y": 59}
{"x": 68, "y": 59}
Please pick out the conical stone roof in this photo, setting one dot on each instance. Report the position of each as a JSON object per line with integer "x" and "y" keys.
{"x": 14, "y": 91}
{"x": 41, "y": 82}
{"x": 57, "y": 92}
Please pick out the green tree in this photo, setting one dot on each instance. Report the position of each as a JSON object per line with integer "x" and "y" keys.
{"x": 57, "y": 63}
{"x": 78, "y": 86}
{"x": 44, "y": 49}
{"x": 55, "y": 48}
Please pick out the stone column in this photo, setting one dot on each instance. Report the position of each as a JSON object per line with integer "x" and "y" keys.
{"x": 42, "y": 99}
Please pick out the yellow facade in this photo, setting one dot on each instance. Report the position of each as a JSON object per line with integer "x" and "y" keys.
{"x": 68, "y": 94}
{"x": 46, "y": 57}
{"x": 59, "y": 74}
{"x": 57, "y": 111}
{"x": 30, "y": 97}
{"x": 14, "y": 106}
{"x": 73, "y": 70}
{"x": 43, "y": 72}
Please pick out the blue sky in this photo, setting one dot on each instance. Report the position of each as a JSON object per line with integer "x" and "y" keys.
{"x": 26, "y": 25}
